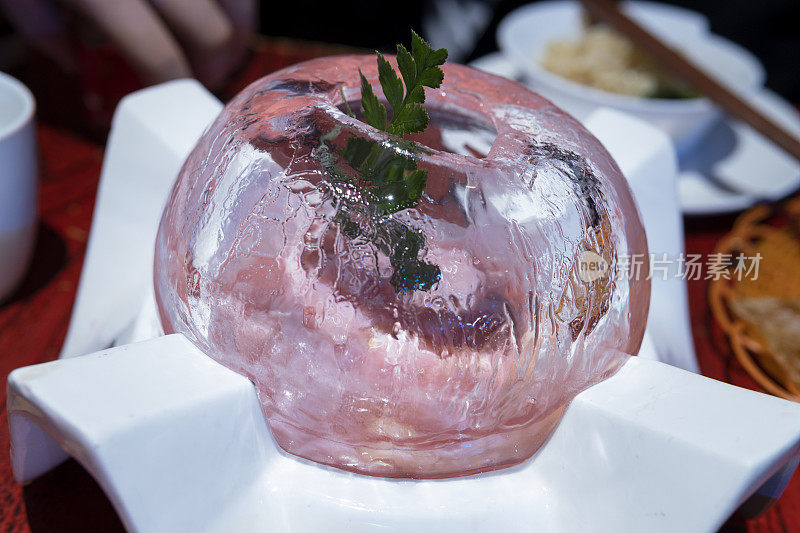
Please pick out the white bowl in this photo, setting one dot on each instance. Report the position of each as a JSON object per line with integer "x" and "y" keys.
{"x": 17, "y": 182}
{"x": 525, "y": 33}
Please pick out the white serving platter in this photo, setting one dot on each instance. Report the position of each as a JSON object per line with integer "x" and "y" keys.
{"x": 178, "y": 443}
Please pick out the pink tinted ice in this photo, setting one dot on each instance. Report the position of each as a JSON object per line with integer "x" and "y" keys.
{"x": 253, "y": 263}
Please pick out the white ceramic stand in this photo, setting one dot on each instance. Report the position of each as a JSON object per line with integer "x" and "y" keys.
{"x": 179, "y": 443}
{"x": 646, "y": 158}
{"x": 152, "y": 133}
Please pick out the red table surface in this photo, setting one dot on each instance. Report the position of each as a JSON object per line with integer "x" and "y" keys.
{"x": 33, "y": 322}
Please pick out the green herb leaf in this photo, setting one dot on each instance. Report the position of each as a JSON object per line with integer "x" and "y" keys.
{"x": 431, "y": 77}
{"x": 410, "y": 272}
{"x": 416, "y": 183}
{"x": 424, "y": 56}
{"x": 406, "y": 64}
{"x": 418, "y": 70}
{"x": 437, "y": 57}
{"x": 416, "y": 96}
{"x": 412, "y": 118}
{"x": 387, "y": 173}
{"x": 388, "y": 177}
{"x": 421, "y": 51}
{"x": 374, "y": 111}
{"x": 390, "y": 83}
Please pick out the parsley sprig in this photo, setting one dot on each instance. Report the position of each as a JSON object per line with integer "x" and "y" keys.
{"x": 387, "y": 177}
{"x": 419, "y": 69}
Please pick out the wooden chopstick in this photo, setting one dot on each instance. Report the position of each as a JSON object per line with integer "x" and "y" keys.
{"x": 607, "y": 11}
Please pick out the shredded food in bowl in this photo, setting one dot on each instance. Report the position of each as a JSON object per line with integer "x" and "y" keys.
{"x": 604, "y": 59}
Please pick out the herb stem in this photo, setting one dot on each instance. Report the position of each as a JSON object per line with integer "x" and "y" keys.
{"x": 346, "y": 103}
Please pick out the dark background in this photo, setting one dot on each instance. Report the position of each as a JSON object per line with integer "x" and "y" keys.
{"x": 768, "y": 28}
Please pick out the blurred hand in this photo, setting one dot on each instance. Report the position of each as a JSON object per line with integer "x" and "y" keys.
{"x": 162, "y": 39}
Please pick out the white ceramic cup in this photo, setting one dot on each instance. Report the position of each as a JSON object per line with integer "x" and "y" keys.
{"x": 17, "y": 182}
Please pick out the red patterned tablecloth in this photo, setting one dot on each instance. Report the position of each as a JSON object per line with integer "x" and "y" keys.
{"x": 34, "y": 321}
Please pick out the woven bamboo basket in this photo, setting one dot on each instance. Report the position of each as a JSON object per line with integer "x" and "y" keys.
{"x": 757, "y": 231}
